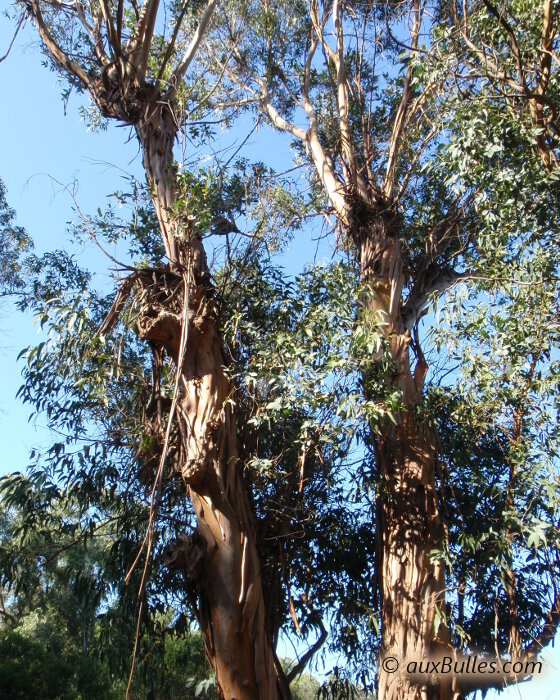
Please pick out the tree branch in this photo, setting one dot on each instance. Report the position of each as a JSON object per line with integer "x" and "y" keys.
{"x": 114, "y": 41}
{"x": 94, "y": 33}
{"x": 58, "y": 54}
{"x": 549, "y": 630}
{"x": 19, "y": 26}
{"x": 182, "y": 68}
{"x": 146, "y": 43}
{"x": 354, "y": 178}
{"x": 275, "y": 117}
{"x": 171, "y": 43}
{"x": 120, "y": 12}
{"x": 302, "y": 663}
{"x": 482, "y": 56}
{"x": 417, "y": 301}
{"x": 133, "y": 48}
{"x": 404, "y": 113}
{"x": 506, "y": 26}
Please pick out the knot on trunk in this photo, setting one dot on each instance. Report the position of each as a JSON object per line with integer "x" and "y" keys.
{"x": 161, "y": 310}
{"x": 160, "y": 298}
{"x": 199, "y": 466}
{"x": 378, "y": 219}
{"x": 122, "y": 97}
{"x": 160, "y": 307}
{"x": 194, "y": 470}
{"x": 186, "y": 553}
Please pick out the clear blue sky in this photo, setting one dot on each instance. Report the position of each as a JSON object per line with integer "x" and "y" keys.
{"x": 39, "y": 142}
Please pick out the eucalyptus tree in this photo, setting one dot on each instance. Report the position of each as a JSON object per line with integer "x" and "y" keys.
{"x": 132, "y": 61}
{"x": 295, "y": 356}
{"x": 373, "y": 124}
{"x": 510, "y": 54}
{"x": 366, "y": 144}
{"x": 402, "y": 165}
{"x": 497, "y": 73}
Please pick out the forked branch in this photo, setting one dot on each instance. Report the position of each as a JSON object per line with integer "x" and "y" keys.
{"x": 183, "y": 66}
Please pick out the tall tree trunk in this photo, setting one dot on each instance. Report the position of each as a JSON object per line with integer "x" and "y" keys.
{"x": 222, "y": 561}
{"x": 412, "y": 583}
{"x": 177, "y": 313}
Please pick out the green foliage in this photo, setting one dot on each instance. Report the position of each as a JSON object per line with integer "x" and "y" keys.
{"x": 473, "y": 198}
{"x": 245, "y": 191}
{"x": 298, "y": 354}
{"x": 305, "y": 687}
{"x": 82, "y": 511}
{"x": 14, "y": 244}
{"x": 64, "y": 632}
{"x": 28, "y": 670}
{"x": 338, "y": 687}
{"x": 500, "y": 446}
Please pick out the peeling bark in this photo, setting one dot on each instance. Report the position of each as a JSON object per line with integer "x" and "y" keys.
{"x": 177, "y": 315}
{"x": 227, "y": 577}
{"x": 411, "y": 581}
{"x": 223, "y": 563}
{"x": 227, "y": 570}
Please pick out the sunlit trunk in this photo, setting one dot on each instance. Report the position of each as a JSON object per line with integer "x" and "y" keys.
{"x": 222, "y": 562}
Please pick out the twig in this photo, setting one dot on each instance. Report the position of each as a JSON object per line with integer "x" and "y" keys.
{"x": 19, "y": 26}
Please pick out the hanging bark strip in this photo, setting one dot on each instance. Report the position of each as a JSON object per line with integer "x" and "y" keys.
{"x": 231, "y": 608}
{"x": 222, "y": 561}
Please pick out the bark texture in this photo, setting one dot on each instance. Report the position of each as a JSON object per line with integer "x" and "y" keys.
{"x": 412, "y": 584}
{"x": 176, "y": 313}
{"x": 222, "y": 562}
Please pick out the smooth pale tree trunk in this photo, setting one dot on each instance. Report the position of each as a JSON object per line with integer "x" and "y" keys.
{"x": 412, "y": 581}
{"x": 222, "y": 561}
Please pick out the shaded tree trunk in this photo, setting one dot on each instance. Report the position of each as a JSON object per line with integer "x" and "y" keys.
{"x": 411, "y": 579}
{"x": 222, "y": 561}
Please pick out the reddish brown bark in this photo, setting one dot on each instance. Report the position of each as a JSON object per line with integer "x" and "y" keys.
{"x": 177, "y": 314}
{"x": 223, "y": 562}
{"x": 412, "y": 584}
